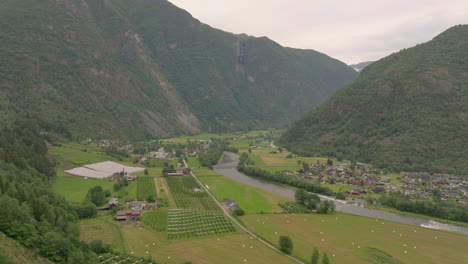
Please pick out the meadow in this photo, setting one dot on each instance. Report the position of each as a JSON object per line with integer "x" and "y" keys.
{"x": 250, "y": 199}
{"x": 348, "y": 238}
{"x": 231, "y": 248}
{"x": 194, "y": 162}
{"x": 104, "y": 229}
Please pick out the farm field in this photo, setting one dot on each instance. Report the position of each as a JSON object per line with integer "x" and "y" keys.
{"x": 152, "y": 172}
{"x": 79, "y": 154}
{"x": 279, "y": 159}
{"x": 184, "y": 197}
{"x": 156, "y": 219}
{"x": 101, "y": 228}
{"x": 75, "y": 188}
{"x": 294, "y": 208}
{"x": 226, "y": 249}
{"x": 206, "y": 136}
{"x": 250, "y": 199}
{"x": 348, "y": 237}
{"x": 145, "y": 188}
{"x": 194, "y": 162}
{"x": 274, "y": 169}
{"x": 186, "y": 223}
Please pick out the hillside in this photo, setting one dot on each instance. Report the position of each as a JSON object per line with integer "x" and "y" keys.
{"x": 408, "y": 111}
{"x": 145, "y": 68}
{"x": 11, "y": 252}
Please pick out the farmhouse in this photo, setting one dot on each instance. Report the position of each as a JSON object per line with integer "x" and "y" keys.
{"x": 111, "y": 204}
{"x": 128, "y": 215}
{"x": 231, "y": 204}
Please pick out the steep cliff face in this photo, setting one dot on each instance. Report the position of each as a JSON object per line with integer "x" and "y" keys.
{"x": 407, "y": 111}
{"x": 146, "y": 68}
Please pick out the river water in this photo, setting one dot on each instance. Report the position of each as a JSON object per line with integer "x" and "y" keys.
{"x": 227, "y": 168}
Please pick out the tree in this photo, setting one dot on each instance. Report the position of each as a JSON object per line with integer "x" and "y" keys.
{"x": 280, "y": 149}
{"x": 305, "y": 166}
{"x": 340, "y": 196}
{"x": 325, "y": 259}
{"x": 286, "y": 244}
{"x": 329, "y": 162}
{"x": 150, "y": 199}
{"x": 300, "y": 196}
{"x": 146, "y": 172}
{"x": 238, "y": 212}
{"x": 315, "y": 257}
{"x": 96, "y": 195}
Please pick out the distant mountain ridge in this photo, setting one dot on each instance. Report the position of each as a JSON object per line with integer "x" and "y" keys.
{"x": 408, "y": 111}
{"x": 145, "y": 68}
{"x": 360, "y": 66}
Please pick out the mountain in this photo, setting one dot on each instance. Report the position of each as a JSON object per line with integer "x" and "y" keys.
{"x": 360, "y": 66}
{"x": 408, "y": 111}
{"x": 145, "y": 68}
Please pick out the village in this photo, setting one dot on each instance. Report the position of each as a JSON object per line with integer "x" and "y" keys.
{"x": 365, "y": 179}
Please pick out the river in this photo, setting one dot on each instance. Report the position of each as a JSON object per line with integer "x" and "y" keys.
{"x": 227, "y": 168}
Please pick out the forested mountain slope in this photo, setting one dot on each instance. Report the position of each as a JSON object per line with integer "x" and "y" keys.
{"x": 408, "y": 111}
{"x": 145, "y": 68}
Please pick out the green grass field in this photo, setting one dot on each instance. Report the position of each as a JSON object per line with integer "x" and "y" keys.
{"x": 152, "y": 172}
{"x": 75, "y": 188}
{"x": 102, "y": 228}
{"x": 250, "y": 199}
{"x": 194, "y": 162}
{"x": 79, "y": 154}
{"x": 205, "y": 136}
{"x": 262, "y": 156}
{"x": 156, "y": 219}
{"x": 344, "y": 235}
{"x": 274, "y": 169}
{"x": 226, "y": 249}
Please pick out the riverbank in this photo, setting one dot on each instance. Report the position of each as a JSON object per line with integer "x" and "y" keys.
{"x": 227, "y": 168}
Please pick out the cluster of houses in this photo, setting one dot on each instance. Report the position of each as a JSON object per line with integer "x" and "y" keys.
{"x": 366, "y": 179}
{"x": 423, "y": 185}
{"x": 160, "y": 154}
{"x": 133, "y": 210}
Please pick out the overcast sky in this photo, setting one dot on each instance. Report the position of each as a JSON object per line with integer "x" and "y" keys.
{"x": 349, "y": 30}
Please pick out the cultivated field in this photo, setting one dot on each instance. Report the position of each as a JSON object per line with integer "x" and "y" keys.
{"x": 145, "y": 188}
{"x": 294, "y": 208}
{"x": 250, "y": 199}
{"x": 186, "y": 223}
{"x": 156, "y": 219}
{"x": 346, "y": 237}
{"x": 185, "y": 196}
